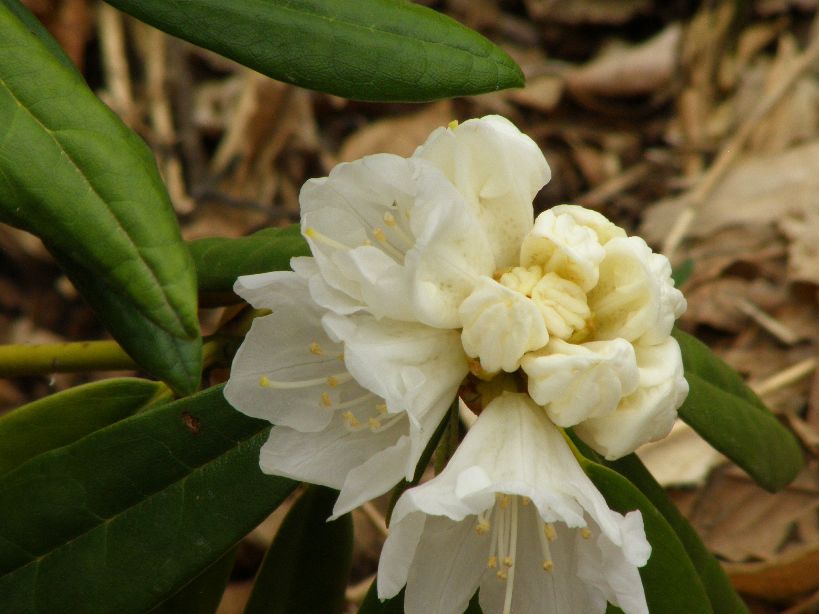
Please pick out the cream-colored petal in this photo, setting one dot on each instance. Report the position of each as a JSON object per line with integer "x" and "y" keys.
{"x": 287, "y": 370}
{"x": 414, "y": 367}
{"x": 500, "y": 326}
{"x": 561, "y": 245}
{"x": 498, "y": 170}
{"x": 602, "y": 227}
{"x": 576, "y": 382}
{"x": 649, "y": 412}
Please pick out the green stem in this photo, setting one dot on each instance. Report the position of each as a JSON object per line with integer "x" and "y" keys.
{"x": 80, "y": 356}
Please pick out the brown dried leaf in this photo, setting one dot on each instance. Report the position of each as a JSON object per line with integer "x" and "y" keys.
{"x": 629, "y": 71}
{"x": 396, "y": 135}
{"x": 587, "y": 11}
{"x": 783, "y": 577}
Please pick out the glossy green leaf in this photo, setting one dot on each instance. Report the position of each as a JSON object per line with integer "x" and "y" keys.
{"x": 37, "y": 29}
{"x": 65, "y": 417}
{"x": 175, "y": 359}
{"x": 219, "y": 261}
{"x": 202, "y": 594}
{"x": 73, "y": 174}
{"x": 729, "y": 416}
{"x": 669, "y": 578}
{"x": 722, "y": 595}
{"x": 306, "y": 567}
{"x": 388, "y": 50}
{"x": 122, "y": 519}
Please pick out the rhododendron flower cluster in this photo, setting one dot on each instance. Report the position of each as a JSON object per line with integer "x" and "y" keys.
{"x": 430, "y": 279}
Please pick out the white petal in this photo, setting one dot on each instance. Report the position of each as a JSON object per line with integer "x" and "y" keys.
{"x": 287, "y": 370}
{"x": 261, "y": 290}
{"x": 648, "y": 413}
{"x": 559, "y": 244}
{"x": 635, "y": 298}
{"x": 451, "y": 250}
{"x": 448, "y": 563}
{"x": 602, "y": 227}
{"x": 576, "y": 382}
{"x": 415, "y": 368}
{"x": 397, "y": 554}
{"x": 498, "y": 170}
{"x": 500, "y": 326}
{"x": 339, "y": 458}
{"x": 606, "y": 566}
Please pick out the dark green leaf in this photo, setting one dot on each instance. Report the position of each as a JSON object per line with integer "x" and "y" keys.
{"x": 729, "y": 416}
{"x": 175, "y": 359}
{"x": 670, "y": 581}
{"x": 681, "y": 273}
{"x": 722, "y": 595}
{"x": 65, "y": 417}
{"x": 202, "y": 594}
{"x": 220, "y": 261}
{"x": 372, "y": 605}
{"x": 366, "y": 50}
{"x": 125, "y": 517}
{"x": 36, "y": 28}
{"x": 73, "y": 174}
{"x": 306, "y": 567}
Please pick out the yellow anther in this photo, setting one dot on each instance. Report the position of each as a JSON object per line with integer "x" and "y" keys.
{"x": 482, "y": 528}
{"x": 549, "y": 531}
{"x": 326, "y": 400}
{"x": 374, "y": 424}
{"x": 504, "y": 501}
{"x": 585, "y": 533}
{"x": 453, "y": 124}
{"x": 548, "y": 566}
{"x": 332, "y": 381}
{"x": 264, "y": 381}
{"x": 502, "y": 575}
{"x": 315, "y": 348}
{"x": 525, "y": 501}
{"x": 389, "y": 219}
{"x": 507, "y": 561}
{"x": 379, "y": 235}
{"x": 492, "y": 562}
{"x": 310, "y": 232}
{"x": 381, "y": 408}
{"x": 350, "y": 418}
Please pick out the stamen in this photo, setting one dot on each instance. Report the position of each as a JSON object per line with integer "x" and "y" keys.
{"x": 381, "y": 408}
{"x": 482, "y": 528}
{"x": 374, "y": 424}
{"x": 549, "y": 531}
{"x": 492, "y": 562}
{"x": 379, "y": 235}
{"x": 339, "y": 378}
{"x": 585, "y": 533}
{"x": 453, "y": 124}
{"x": 389, "y": 219}
{"x": 351, "y": 419}
{"x": 356, "y": 401}
{"x": 326, "y": 400}
{"x": 548, "y": 566}
{"x": 513, "y": 545}
{"x": 319, "y": 237}
{"x": 332, "y": 381}
{"x": 264, "y": 381}
{"x": 315, "y": 348}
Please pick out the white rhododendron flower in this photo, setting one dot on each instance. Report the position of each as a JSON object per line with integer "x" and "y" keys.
{"x": 513, "y": 515}
{"x": 429, "y": 274}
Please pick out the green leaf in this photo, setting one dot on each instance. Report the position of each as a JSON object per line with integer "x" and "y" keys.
{"x": 202, "y": 594}
{"x": 669, "y": 578}
{"x": 306, "y": 567}
{"x": 65, "y": 417}
{"x": 36, "y": 28}
{"x": 729, "y": 416}
{"x": 219, "y": 261}
{"x": 372, "y": 605}
{"x": 388, "y": 50}
{"x": 73, "y": 174}
{"x": 125, "y": 517}
{"x": 177, "y": 360}
{"x": 722, "y": 595}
